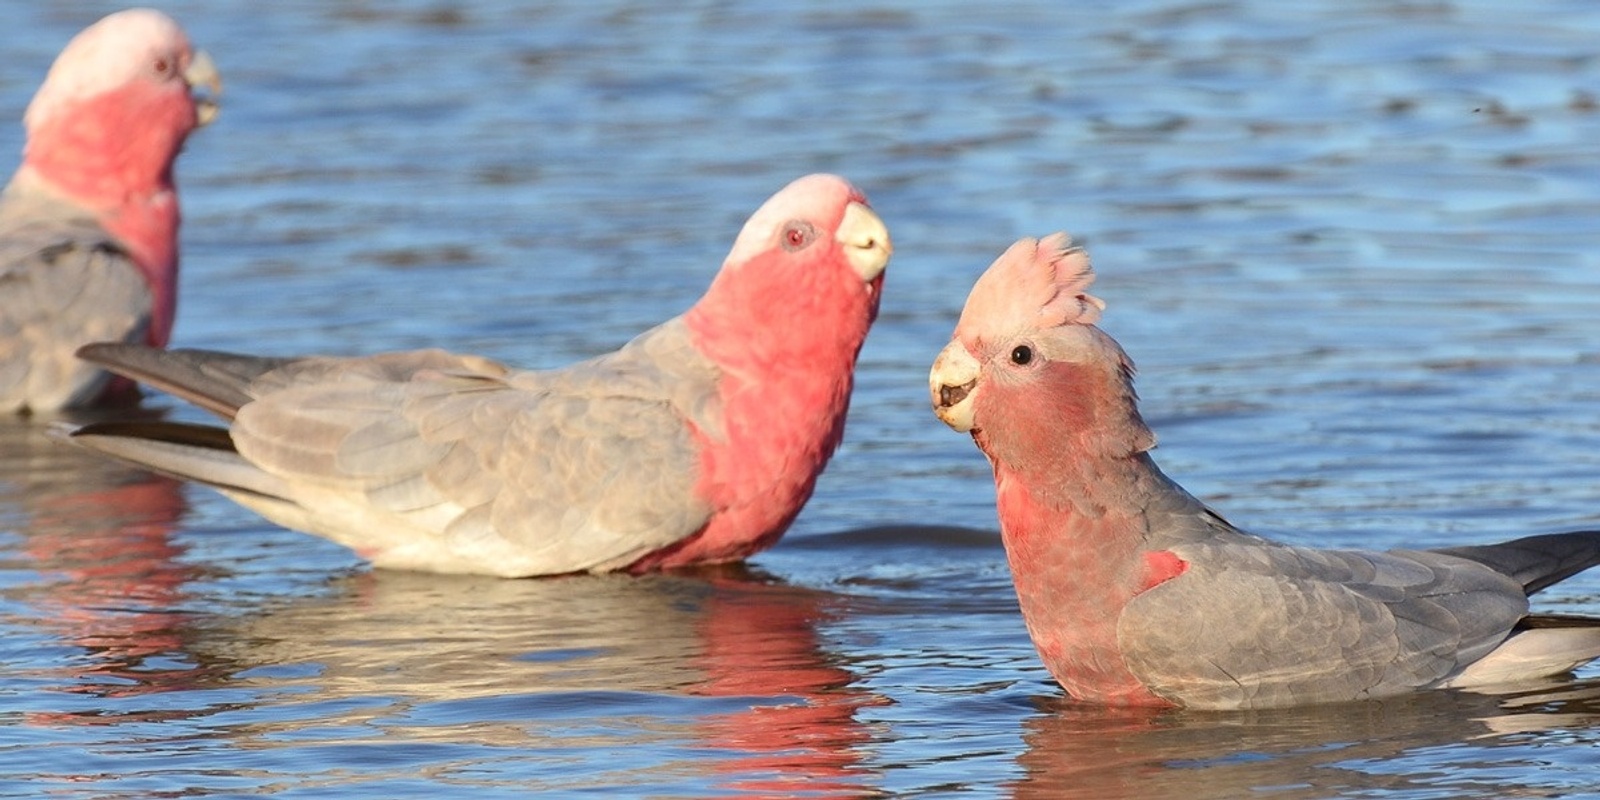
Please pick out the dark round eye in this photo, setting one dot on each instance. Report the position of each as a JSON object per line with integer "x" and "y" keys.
{"x": 1021, "y": 355}
{"x": 162, "y": 66}
{"x": 797, "y": 235}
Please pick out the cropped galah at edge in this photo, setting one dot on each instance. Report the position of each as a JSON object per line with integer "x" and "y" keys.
{"x": 1135, "y": 592}
{"x": 697, "y": 442}
{"x": 89, "y": 223}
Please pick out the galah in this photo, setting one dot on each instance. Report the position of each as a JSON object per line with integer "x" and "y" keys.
{"x": 1134, "y": 592}
{"x": 696, "y": 442}
{"x": 89, "y": 222}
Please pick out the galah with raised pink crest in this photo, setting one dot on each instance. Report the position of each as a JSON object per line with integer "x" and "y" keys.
{"x": 1135, "y": 592}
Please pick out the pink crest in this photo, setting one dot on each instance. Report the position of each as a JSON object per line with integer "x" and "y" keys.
{"x": 1035, "y": 284}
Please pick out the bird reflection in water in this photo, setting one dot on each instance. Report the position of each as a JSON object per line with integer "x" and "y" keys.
{"x": 102, "y": 572}
{"x": 727, "y": 659}
{"x": 1076, "y": 750}
{"x": 763, "y": 643}
{"x": 729, "y": 656}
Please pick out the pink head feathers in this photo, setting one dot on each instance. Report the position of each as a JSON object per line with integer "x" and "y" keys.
{"x": 1035, "y": 284}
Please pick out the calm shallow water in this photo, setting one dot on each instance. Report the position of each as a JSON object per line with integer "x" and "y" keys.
{"x": 1353, "y": 247}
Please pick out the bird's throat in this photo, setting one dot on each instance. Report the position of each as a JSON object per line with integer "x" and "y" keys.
{"x": 1077, "y": 557}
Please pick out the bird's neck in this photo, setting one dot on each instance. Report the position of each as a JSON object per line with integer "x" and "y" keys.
{"x": 1074, "y": 574}
{"x": 113, "y": 148}
{"x": 1072, "y": 434}
{"x": 784, "y": 324}
{"x": 1074, "y": 484}
{"x": 786, "y": 354}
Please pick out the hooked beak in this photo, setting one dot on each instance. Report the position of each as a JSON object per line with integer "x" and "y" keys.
{"x": 202, "y": 73}
{"x": 865, "y": 240}
{"x": 953, "y": 383}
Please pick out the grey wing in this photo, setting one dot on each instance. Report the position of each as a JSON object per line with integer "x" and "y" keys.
{"x": 660, "y": 364}
{"x": 1256, "y": 624}
{"x": 511, "y": 474}
{"x": 224, "y": 382}
{"x": 60, "y": 288}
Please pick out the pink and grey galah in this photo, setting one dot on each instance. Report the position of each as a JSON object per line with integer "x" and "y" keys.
{"x": 89, "y": 222}
{"x": 1134, "y": 592}
{"x": 697, "y": 442}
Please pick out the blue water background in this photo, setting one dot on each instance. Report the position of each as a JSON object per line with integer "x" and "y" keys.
{"x": 1351, "y": 245}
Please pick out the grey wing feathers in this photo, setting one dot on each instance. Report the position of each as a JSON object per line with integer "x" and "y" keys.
{"x": 1281, "y": 625}
{"x": 537, "y": 473}
{"x": 435, "y": 461}
{"x": 223, "y": 382}
{"x": 62, "y": 285}
{"x": 660, "y": 365}
{"x": 215, "y": 381}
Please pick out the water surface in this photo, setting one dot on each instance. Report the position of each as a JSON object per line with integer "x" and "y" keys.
{"x": 1352, "y": 246}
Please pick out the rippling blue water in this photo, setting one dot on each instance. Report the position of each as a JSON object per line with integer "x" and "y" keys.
{"x": 1352, "y": 245}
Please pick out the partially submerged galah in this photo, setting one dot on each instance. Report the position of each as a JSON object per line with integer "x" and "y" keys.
{"x": 1134, "y": 592}
{"x": 89, "y": 223}
{"x": 697, "y": 442}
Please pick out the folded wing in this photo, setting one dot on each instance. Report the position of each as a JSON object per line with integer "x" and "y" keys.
{"x": 449, "y": 463}
{"x": 62, "y": 284}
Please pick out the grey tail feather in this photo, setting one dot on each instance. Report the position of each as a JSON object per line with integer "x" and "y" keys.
{"x": 179, "y": 433}
{"x": 1537, "y": 562}
{"x": 1557, "y": 621}
{"x": 213, "y": 380}
{"x": 191, "y": 452}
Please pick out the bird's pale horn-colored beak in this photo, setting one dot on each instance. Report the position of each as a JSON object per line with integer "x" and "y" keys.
{"x": 953, "y": 383}
{"x": 865, "y": 240}
{"x": 202, "y": 73}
